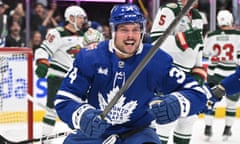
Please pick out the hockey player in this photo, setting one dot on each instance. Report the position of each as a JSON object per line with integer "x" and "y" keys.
{"x": 56, "y": 54}
{"x": 185, "y": 45}
{"x": 222, "y": 48}
{"x": 98, "y": 74}
{"x": 91, "y": 38}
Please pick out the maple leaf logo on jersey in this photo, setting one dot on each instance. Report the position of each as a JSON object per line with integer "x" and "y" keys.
{"x": 120, "y": 113}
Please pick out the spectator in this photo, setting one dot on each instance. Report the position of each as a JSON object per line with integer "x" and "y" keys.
{"x": 13, "y": 5}
{"x": 18, "y": 14}
{"x": 15, "y": 37}
{"x": 3, "y": 24}
{"x": 37, "y": 18}
{"x": 44, "y": 2}
{"x": 52, "y": 19}
{"x": 57, "y": 18}
{"x": 36, "y": 40}
{"x": 106, "y": 31}
{"x": 235, "y": 11}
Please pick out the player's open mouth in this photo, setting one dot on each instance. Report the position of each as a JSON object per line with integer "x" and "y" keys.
{"x": 129, "y": 42}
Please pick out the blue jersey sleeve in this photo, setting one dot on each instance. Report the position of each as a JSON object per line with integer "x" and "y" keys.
{"x": 169, "y": 77}
{"x": 73, "y": 90}
{"x": 232, "y": 83}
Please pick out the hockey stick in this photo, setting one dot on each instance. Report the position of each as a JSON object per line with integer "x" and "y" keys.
{"x": 3, "y": 140}
{"x": 146, "y": 59}
{"x": 29, "y": 97}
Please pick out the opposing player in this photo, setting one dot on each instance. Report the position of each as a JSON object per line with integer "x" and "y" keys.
{"x": 91, "y": 38}
{"x": 185, "y": 45}
{"x": 56, "y": 54}
{"x": 98, "y": 74}
{"x": 222, "y": 48}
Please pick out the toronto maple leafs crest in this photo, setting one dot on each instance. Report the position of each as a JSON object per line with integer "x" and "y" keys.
{"x": 121, "y": 111}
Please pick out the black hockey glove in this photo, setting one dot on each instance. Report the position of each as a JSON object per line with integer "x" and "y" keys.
{"x": 218, "y": 92}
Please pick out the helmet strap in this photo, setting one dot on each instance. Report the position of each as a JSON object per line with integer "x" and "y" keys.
{"x": 74, "y": 23}
{"x": 122, "y": 52}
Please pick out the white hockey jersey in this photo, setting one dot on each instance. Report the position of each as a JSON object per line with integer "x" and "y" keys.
{"x": 190, "y": 57}
{"x": 60, "y": 47}
{"x": 222, "y": 48}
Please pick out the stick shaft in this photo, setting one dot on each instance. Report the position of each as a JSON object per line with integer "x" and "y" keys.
{"x": 30, "y": 141}
{"x": 53, "y": 112}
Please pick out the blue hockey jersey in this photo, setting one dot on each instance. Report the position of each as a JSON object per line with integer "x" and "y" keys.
{"x": 98, "y": 74}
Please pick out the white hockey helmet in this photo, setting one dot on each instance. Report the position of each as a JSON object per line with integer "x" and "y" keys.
{"x": 224, "y": 18}
{"x": 92, "y": 36}
{"x": 74, "y": 11}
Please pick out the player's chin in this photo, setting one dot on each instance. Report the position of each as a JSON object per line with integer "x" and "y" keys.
{"x": 130, "y": 49}
{"x": 131, "y": 52}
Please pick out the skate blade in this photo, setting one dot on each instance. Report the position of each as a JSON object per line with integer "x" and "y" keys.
{"x": 225, "y": 138}
{"x": 207, "y": 138}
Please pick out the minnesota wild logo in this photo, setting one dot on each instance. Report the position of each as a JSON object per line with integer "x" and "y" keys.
{"x": 73, "y": 51}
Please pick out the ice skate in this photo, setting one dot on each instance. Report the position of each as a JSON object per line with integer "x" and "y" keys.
{"x": 208, "y": 132}
{"x": 227, "y": 133}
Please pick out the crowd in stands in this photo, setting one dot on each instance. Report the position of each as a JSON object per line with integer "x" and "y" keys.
{"x": 45, "y": 14}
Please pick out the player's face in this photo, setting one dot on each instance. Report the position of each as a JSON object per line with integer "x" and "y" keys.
{"x": 127, "y": 38}
{"x": 79, "y": 21}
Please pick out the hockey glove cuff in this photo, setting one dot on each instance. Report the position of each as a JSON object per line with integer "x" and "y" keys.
{"x": 200, "y": 74}
{"x": 87, "y": 119}
{"x": 189, "y": 39}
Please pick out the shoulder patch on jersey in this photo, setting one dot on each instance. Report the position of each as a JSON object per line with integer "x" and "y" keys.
{"x": 172, "y": 5}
